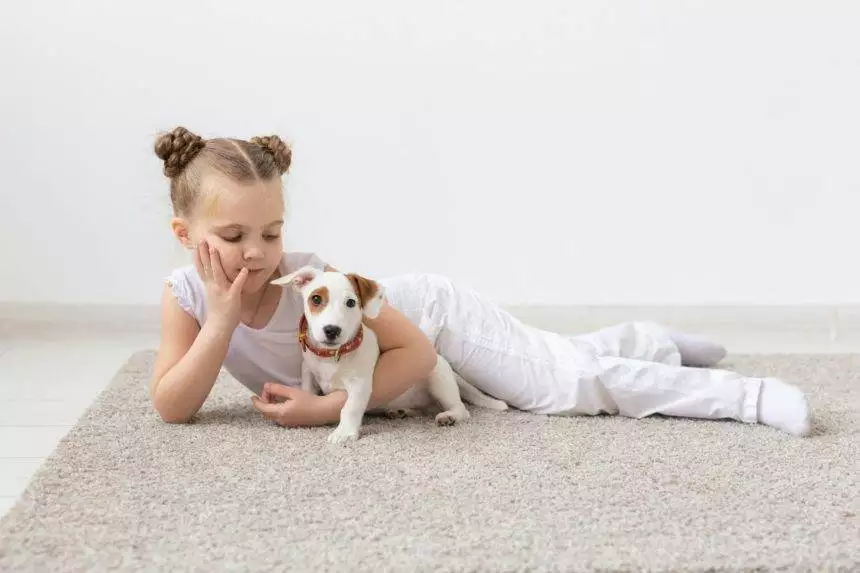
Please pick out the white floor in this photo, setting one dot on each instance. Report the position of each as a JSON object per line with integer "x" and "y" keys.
{"x": 48, "y": 377}
{"x": 47, "y": 380}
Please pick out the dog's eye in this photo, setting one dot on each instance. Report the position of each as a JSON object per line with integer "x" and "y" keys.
{"x": 316, "y": 299}
{"x": 350, "y": 303}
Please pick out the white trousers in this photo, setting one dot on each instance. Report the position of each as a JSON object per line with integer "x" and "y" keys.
{"x": 631, "y": 369}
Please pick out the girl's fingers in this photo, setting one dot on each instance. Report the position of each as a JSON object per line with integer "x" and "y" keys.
{"x": 270, "y": 411}
{"x": 239, "y": 283}
{"x": 270, "y": 397}
{"x": 205, "y": 260}
{"x": 198, "y": 263}
{"x": 217, "y": 269}
{"x": 266, "y": 396}
{"x": 282, "y": 390}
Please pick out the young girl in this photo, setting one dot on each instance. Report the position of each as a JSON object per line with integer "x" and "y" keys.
{"x": 228, "y": 203}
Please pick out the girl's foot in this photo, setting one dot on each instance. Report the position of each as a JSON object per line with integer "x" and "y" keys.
{"x": 697, "y": 350}
{"x": 784, "y": 407}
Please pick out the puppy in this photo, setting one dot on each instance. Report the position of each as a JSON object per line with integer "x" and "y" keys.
{"x": 340, "y": 353}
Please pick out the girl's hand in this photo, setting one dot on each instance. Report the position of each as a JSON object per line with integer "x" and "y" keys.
{"x": 291, "y": 407}
{"x": 223, "y": 298}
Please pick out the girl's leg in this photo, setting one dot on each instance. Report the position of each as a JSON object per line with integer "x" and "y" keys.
{"x": 644, "y": 388}
{"x": 655, "y": 343}
{"x": 546, "y": 373}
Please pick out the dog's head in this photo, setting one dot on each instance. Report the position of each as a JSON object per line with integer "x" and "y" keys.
{"x": 334, "y": 302}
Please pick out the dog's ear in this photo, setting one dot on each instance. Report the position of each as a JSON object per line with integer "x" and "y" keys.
{"x": 370, "y": 294}
{"x": 298, "y": 279}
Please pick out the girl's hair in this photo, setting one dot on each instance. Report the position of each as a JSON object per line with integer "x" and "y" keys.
{"x": 186, "y": 157}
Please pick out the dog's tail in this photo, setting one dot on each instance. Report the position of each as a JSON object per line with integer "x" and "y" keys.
{"x": 477, "y": 398}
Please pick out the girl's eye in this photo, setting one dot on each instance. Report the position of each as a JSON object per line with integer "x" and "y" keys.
{"x": 350, "y": 303}
{"x": 316, "y": 299}
{"x": 237, "y": 238}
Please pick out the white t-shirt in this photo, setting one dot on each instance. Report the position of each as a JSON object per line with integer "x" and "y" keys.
{"x": 270, "y": 354}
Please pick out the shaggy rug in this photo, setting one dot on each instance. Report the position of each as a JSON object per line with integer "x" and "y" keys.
{"x": 504, "y": 492}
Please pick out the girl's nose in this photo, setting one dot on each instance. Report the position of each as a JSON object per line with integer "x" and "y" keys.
{"x": 253, "y": 253}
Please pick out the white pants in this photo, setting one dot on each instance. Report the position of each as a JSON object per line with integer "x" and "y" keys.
{"x": 631, "y": 369}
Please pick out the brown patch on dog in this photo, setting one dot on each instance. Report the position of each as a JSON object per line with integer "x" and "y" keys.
{"x": 321, "y": 292}
{"x": 366, "y": 289}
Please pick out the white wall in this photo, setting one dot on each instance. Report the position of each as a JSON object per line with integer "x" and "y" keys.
{"x": 546, "y": 152}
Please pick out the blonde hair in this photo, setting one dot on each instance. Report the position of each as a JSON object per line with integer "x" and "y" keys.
{"x": 186, "y": 157}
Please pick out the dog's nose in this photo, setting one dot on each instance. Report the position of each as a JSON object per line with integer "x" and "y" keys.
{"x": 331, "y": 331}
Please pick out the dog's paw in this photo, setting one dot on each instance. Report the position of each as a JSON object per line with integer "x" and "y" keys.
{"x": 396, "y": 414}
{"x": 498, "y": 406}
{"x": 342, "y": 435}
{"x": 451, "y": 417}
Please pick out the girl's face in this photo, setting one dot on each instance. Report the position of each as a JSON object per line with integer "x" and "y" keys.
{"x": 244, "y": 222}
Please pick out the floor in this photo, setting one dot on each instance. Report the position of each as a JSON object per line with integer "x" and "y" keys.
{"x": 49, "y": 375}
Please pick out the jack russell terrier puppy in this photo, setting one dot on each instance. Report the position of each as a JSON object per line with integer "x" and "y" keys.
{"x": 340, "y": 353}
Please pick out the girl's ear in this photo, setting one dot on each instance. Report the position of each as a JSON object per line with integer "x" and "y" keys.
{"x": 181, "y": 231}
{"x": 298, "y": 279}
{"x": 370, "y": 294}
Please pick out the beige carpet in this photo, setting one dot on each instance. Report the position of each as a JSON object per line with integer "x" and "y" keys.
{"x": 509, "y": 491}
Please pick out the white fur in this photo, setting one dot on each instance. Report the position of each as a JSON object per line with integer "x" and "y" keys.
{"x": 354, "y": 371}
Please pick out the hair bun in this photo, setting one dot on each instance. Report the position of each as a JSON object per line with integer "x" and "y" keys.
{"x": 278, "y": 149}
{"x": 177, "y": 148}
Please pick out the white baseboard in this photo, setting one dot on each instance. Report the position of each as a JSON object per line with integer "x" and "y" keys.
{"x": 135, "y": 318}
{"x": 832, "y": 319}
{"x": 575, "y": 319}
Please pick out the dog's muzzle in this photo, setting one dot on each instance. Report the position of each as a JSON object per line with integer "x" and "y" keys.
{"x": 332, "y": 332}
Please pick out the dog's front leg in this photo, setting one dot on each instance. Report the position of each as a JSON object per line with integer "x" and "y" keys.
{"x": 308, "y": 384}
{"x": 358, "y": 393}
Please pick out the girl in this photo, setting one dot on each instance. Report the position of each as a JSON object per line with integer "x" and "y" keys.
{"x": 228, "y": 204}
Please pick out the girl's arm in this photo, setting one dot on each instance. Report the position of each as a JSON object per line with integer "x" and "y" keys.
{"x": 188, "y": 362}
{"x": 190, "y": 357}
{"x": 406, "y": 357}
